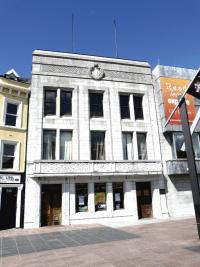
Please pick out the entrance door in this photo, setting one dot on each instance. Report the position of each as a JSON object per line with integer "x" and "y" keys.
{"x": 144, "y": 200}
{"x": 51, "y": 204}
{"x": 8, "y": 208}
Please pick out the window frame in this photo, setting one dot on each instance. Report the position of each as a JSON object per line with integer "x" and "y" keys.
{"x": 18, "y": 115}
{"x": 137, "y": 108}
{"x": 49, "y": 130}
{"x": 16, "y": 154}
{"x": 77, "y": 206}
{"x": 121, "y": 107}
{"x": 132, "y": 147}
{"x": 145, "y": 133}
{"x": 60, "y": 102}
{"x": 93, "y": 132}
{"x": 101, "y": 105}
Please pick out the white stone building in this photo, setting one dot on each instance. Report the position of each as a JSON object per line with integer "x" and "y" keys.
{"x": 171, "y": 82}
{"x": 93, "y": 151}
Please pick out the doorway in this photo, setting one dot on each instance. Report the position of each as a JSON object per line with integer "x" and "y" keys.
{"x": 51, "y": 204}
{"x": 144, "y": 200}
{"x": 8, "y": 208}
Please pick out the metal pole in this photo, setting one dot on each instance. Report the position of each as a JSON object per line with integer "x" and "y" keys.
{"x": 115, "y": 32}
{"x": 72, "y": 33}
{"x": 191, "y": 162}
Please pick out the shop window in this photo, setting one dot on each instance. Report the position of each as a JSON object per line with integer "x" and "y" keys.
{"x": 124, "y": 107}
{"x": 49, "y": 144}
{"x": 127, "y": 146}
{"x": 142, "y": 146}
{"x": 118, "y": 195}
{"x": 82, "y": 197}
{"x": 65, "y": 102}
{"x": 138, "y": 108}
{"x": 100, "y": 196}
{"x": 50, "y": 102}
{"x": 8, "y": 156}
{"x": 66, "y": 145}
{"x": 97, "y": 145}
{"x": 96, "y": 104}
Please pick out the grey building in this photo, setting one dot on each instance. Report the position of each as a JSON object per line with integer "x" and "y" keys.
{"x": 93, "y": 150}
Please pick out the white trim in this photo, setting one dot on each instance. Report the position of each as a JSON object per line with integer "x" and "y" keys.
{"x": 19, "y": 112}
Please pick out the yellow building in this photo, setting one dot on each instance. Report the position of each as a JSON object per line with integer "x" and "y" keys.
{"x": 14, "y": 97}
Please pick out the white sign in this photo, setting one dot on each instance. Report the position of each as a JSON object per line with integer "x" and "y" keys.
{"x": 81, "y": 200}
{"x": 9, "y": 179}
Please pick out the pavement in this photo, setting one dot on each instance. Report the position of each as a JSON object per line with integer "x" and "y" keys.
{"x": 156, "y": 243}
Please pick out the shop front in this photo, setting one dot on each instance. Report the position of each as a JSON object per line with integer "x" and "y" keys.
{"x": 10, "y": 200}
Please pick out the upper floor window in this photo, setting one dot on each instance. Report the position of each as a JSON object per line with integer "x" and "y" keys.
{"x": 142, "y": 146}
{"x": 124, "y": 107}
{"x": 8, "y": 155}
{"x": 96, "y": 104}
{"x": 12, "y": 113}
{"x": 65, "y": 145}
{"x": 97, "y": 145}
{"x": 127, "y": 146}
{"x": 138, "y": 108}
{"x": 57, "y": 102}
{"x": 49, "y": 144}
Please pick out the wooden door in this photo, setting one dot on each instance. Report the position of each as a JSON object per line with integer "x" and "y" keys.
{"x": 51, "y": 204}
{"x": 144, "y": 199}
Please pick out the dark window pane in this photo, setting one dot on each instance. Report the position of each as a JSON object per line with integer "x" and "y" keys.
{"x": 100, "y": 196}
{"x": 124, "y": 107}
{"x": 81, "y": 197}
{"x": 49, "y": 144}
{"x": 138, "y": 107}
{"x": 11, "y": 120}
{"x": 118, "y": 196}
{"x": 8, "y": 162}
{"x": 12, "y": 108}
{"x": 8, "y": 150}
{"x": 65, "y": 103}
{"x": 50, "y": 102}
{"x": 8, "y": 156}
{"x": 97, "y": 146}
{"x": 142, "y": 146}
{"x": 96, "y": 105}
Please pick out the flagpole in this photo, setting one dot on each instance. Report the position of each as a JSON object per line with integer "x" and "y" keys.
{"x": 72, "y": 32}
{"x": 115, "y": 36}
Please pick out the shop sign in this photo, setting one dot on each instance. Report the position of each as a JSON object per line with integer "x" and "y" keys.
{"x": 172, "y": 88}
{"x": 9, "y": 179}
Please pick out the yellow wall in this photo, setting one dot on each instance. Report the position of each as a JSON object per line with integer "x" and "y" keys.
{"x": 13, "y": 133}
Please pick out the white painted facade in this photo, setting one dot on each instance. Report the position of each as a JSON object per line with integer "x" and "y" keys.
{"x": 63, "y": 70}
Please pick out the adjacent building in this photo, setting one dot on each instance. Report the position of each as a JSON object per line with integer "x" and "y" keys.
{"x": 14, "y": 93}
{"x": 170, "y": 83}
{"x": 93, "y": 151}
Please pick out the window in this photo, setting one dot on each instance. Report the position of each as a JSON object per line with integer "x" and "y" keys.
{"x": 127, "y": 146}
{"x": 179, "y": 146}
{"x": 65, "y": 103}
{"x": 96, "y": 104}
{"x": 11, "y": 114}
{"x": 49, "y": 144}
{"x": 142, "y": 146}
{"x": 8, "y": 157}
{"x": 97, "y": 146}
{"x": 81, "y": 197}
{"x": 50, "y": 102}
{"x": 124, "y": 107}
{"x": 118, "y": 196}
{"x": 100, "y": 196}
{"x": 138, "y": 109}
{"x": 65, "y": 145}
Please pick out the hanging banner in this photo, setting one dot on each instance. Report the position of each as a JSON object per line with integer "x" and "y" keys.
{"x": 171, "y": 89}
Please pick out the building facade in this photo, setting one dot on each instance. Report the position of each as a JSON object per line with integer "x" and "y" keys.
{"x": 170, "y": 83}
{"x": 14, "y": 93}
{"x": 93, "y": 151}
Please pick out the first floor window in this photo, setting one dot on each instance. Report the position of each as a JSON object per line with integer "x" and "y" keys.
{"x": 8, "y": 156}
{"x": 65, "y": 145}
{"x": 118, "y": 195}
{"x": 81, "y": 197}
{"x": 49, "y": 144}
{"x": 97, "y": 145}
{"x": 127, "y": 146}
{"x": 142, "y": 146}
{"x": 100, "y": 196}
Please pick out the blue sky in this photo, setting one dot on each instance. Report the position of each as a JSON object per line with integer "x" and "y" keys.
{"x": 165, "y": 31}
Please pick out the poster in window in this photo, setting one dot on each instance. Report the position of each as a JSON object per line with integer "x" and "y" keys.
{"x": 81, "y": 200}
{"x": 171, "y": 89}
{"x": 117, "y": 197}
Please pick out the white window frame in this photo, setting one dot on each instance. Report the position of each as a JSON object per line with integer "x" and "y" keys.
{"x": 16, "y": 154}
{"x": 19, "y": 112}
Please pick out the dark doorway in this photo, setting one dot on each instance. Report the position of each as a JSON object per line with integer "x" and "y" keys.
{"x": 144, "y": 199}
{"x": 8, "y": 208}
{"x": 51, "y": 204}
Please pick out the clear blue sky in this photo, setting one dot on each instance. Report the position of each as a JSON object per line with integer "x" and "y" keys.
{"x": 150, "y": 30}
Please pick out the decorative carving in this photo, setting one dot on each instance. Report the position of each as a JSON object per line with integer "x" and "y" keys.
{"x": 96, "y": 72}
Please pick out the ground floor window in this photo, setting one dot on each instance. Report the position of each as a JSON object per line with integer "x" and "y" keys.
{"x": 118, "y": 196}
{"x": 100, "y": 196}
{"x": 81, "y": 197}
